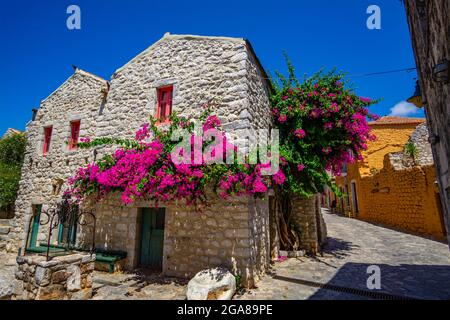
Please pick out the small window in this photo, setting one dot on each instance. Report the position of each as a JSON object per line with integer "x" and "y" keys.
{"x": 47, "y": 140}
{"x": 164, "y": 107}
{"x": 74, "y": 134}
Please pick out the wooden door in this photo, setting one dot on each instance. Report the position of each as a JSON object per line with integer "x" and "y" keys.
{"x": 152, "y": 238}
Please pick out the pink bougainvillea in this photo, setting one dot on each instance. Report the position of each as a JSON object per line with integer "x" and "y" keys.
{"x": 326, "y": 126}
{"x": 146, "y": 171}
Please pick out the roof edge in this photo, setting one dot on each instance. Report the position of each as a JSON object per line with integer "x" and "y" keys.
{"x": 77, "y": 71}
{"x": 168, "y": 36}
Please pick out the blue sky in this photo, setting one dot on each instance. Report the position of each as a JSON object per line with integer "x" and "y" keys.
{"x": 38, "y": 49}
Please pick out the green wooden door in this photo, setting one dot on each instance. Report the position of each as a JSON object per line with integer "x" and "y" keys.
{"x": 35, "y": 226}
{"x": 152, "y": 237}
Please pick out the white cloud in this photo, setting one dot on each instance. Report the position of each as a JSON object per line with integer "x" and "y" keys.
{"x": 403, "y": 109}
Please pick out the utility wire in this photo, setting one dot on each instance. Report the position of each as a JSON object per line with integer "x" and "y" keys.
{"x": 382, "y": 72}
{"x": 408, "y": 70}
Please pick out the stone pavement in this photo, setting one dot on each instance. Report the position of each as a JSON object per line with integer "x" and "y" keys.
{"x": 139, "y": 285}
{"x": 410, "y": 266}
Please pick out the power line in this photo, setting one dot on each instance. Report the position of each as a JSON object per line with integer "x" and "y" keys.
{"x": 382, "y": 72}
{"x": 408, "y": 70}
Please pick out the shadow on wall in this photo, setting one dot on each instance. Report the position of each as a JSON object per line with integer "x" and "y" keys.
{"x": 397, "y": 282}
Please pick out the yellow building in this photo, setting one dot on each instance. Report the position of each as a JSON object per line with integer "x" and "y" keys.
{"x": 395, "y": 184}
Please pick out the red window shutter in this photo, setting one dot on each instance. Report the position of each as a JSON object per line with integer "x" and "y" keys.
{"x": 74, "y": 134}
{"x": 47, "y": 139}
{"x": 164, "y": 108}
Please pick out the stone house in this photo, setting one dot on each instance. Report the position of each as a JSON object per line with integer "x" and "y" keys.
{"x": 179, "y": 73}
{"x": 429, "y": 26}
{"x": 391, "y": 187}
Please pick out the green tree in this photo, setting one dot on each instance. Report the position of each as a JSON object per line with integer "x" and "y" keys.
{"x": 12, "y": 150}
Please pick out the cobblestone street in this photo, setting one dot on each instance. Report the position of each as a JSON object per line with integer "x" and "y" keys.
{"x": 410, "y": 266}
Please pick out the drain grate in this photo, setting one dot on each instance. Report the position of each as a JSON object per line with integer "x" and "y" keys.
{"x": 359, "y": 292}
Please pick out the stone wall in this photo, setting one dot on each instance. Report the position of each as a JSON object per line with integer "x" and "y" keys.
{"x": 307, "y": 216}
{"x": 404, "y": 199}
{"x": 429, "y": 26}
{"x": 389, "y": 138}
{"x": 62, "y": 278}
{"x": 232, "y": 233}
{"x": 201, "y": 69}
{"x": 6, "y": 237}
{"x": 424, "y": 156}
{"x": 117, "y": 228}
{"x": 44, "y": 177}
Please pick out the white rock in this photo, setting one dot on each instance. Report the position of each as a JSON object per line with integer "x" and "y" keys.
{"x": 212, "y": 284}
{"x": 74, "y": 280}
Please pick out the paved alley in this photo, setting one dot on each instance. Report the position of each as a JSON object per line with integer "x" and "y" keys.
{"x": 411, "y": 266}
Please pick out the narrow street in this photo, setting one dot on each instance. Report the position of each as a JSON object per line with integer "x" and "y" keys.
{"x": 411, "y": 267}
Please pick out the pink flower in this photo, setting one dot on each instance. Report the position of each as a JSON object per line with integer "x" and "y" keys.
{"x": 315, "y": 113}
{"x": 284, "y": 97}
{"x": 143, "y": 132}
{"x": 365, "y": 100}
{"x": 328, "y": 126}
{"x": 259, "y": 186}
{"x": 300, "y": 133}
{"x": 275, "y": 112}
{"x": 334, "y": 107}
{"x": 327, "y": 150}
{"x": 300, "y": 167}
{"x": 211, "y": 122}
{"x": 85, "y": 139}
{"x": 279, "y": 177}
{"x": 282, "y": 118}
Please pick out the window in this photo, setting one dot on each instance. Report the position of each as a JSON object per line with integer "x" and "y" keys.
{"x": 164, "y": 107}
{"x": 47, "y": 139}
{"x": 74, "y": 134}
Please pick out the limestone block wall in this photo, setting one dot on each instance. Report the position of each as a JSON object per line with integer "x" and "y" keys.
{"x": 200, "y": 69}
{"x": 233, "y": 234}
{"x": 117, "y": 228}
{"x": 390, "y": 138}
{"x": 424, "y": 156}
{"x": 306, "y": 215}
{"x": 429, "y": 27}
{"x": 62, "y": 278}
{"x": 44, "y": 177}
{"x": 405, "y": 199}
